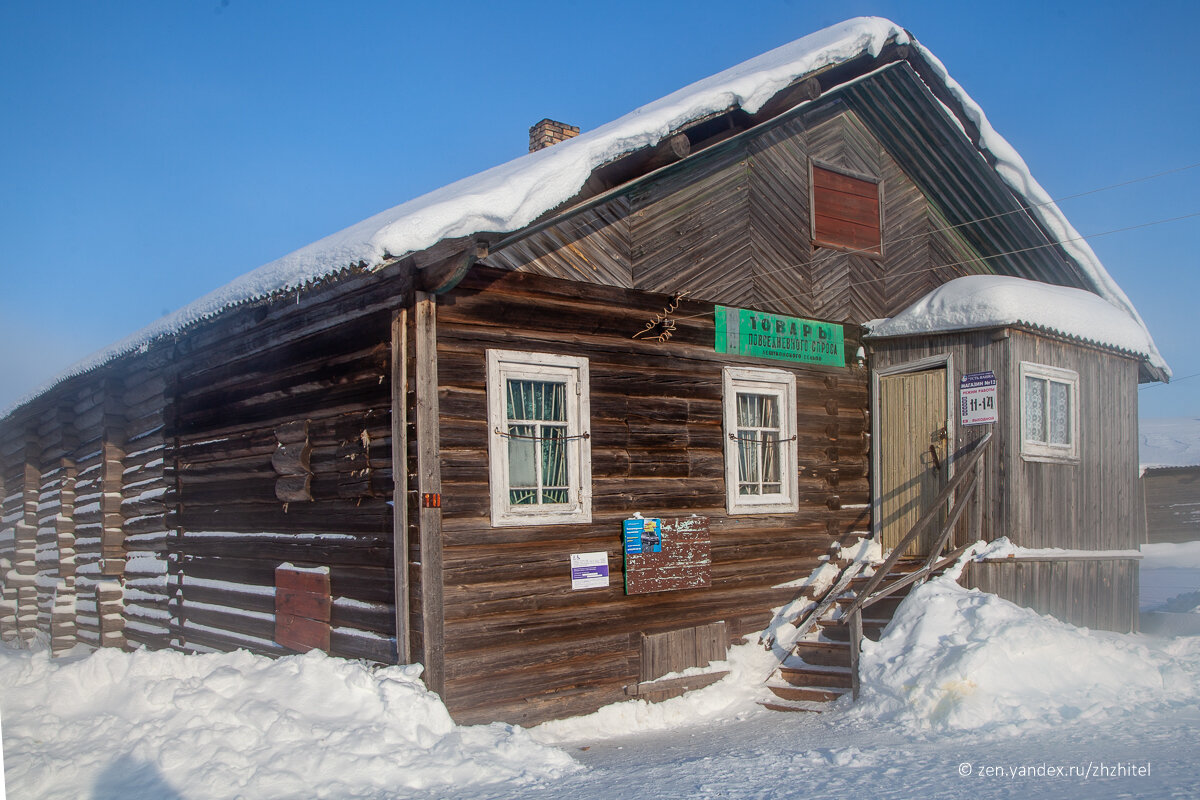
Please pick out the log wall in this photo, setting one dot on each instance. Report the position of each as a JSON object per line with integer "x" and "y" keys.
{"x": 282, "y": 429}
{"x": 91, "y": 517}
{"x": 517, "y": 638}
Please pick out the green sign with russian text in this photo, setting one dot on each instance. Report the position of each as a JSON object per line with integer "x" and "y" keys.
{"x": 757, "y": 333}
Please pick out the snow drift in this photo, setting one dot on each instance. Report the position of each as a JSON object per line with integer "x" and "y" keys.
{"x": 959, "y": 659}
{"x": 165, "y": 724}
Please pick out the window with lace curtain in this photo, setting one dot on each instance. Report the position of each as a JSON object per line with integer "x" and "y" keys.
{"x": 539, "y": 449}
{"x": 1049, "y": 413}
{"x": 759, "y": 409}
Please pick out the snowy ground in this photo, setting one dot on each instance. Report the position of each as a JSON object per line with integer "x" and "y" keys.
{"x": 966, "y": 695}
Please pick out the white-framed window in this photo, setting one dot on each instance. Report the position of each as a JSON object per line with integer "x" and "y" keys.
{"x": 539, "y": 448}
{"x": 1049, "y": 413}
{"x": 759, "y": 410}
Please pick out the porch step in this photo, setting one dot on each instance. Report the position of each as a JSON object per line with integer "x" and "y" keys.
{"x": 817, "y": 671}
{"x": 837, "y": 631}
{"x": 779, "y": 704}
{"x": 811, "y": 675}
{"x": 824, "y": 653}
{"x": 901, "y": 569}
{"x": 815, "y": 694}
{"x": 885, "y": 607}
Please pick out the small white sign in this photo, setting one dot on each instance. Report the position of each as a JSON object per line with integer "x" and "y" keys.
{"x": 589, "y": 570}
{"x": 977, "y": 398}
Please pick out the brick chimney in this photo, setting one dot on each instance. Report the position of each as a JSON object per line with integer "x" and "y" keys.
{"x": 548, "y": 132}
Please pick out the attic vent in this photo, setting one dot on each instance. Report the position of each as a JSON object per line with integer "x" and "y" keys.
{"x": 845, "y": 211}
{"x": 548, "y": 132}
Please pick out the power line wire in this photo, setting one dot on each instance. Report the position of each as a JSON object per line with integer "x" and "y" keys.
{"x": 829, "y": 254}
{"x": 832, "y": 253}
{"x": 982, "y": 258}
{"x": 1173, "y": 381}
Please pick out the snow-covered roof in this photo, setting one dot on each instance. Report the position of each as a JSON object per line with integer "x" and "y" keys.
{"x": 510, "y": 196}
{"x": 1171, "y": 442}
{"x": 988, "y": 301}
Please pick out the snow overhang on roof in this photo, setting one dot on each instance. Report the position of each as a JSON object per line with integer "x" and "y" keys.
{"x": 990, "y": 301}
{"x": 511, "y": 196}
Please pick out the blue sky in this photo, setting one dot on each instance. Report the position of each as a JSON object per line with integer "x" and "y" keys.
{"x": 154, "y": 151}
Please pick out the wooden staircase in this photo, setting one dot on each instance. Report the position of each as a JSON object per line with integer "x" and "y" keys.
{"x": 821, "y": 664}
{"x": 818, "y": 667}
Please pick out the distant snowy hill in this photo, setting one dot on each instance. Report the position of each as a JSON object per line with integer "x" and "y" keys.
{"x": 1170, "y": 442}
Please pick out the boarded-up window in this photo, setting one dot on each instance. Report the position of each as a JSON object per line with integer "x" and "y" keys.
{"x": 302, "y": 607}
{"x": 845, "y": 211}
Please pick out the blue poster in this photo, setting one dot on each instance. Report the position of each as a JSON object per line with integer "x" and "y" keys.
{"x": 642, "y": 536}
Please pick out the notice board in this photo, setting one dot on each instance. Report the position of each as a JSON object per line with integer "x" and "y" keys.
{"x": 684, "y": 561}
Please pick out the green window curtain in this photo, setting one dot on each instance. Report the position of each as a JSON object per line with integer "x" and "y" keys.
{"x": 537, "y": 444}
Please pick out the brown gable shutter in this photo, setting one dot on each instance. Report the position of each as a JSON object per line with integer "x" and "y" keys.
{"x": 845, "y": 212}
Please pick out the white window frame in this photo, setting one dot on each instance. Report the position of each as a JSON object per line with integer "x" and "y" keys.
{"x": 1037, "y": 450}
{"x": 781, "y": 384}
{"x": 573, "y": 371}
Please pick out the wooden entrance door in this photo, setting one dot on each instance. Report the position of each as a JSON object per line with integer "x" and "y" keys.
{"x": 912, "y": 454}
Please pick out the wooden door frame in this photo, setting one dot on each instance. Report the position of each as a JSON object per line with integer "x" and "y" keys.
{"x": 938, "y": 361}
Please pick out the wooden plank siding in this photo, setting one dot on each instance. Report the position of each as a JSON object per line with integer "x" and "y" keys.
{"x": 515, "y": 633}
{"x": 1094, "y": 504}
{"x": 323, "y": 357}
{"x": 1087, "y": 593}
{"x": 731, "y": 225}
{"x": 1172, "y": 496}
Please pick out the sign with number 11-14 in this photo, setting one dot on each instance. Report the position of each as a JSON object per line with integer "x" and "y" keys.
{"x": 977, "y": 398}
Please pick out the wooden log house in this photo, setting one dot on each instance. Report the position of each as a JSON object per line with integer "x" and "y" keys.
{"x": 433, "y": 457}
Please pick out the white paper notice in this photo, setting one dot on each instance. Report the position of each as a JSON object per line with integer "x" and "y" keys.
{"x": 589, "y": 570}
